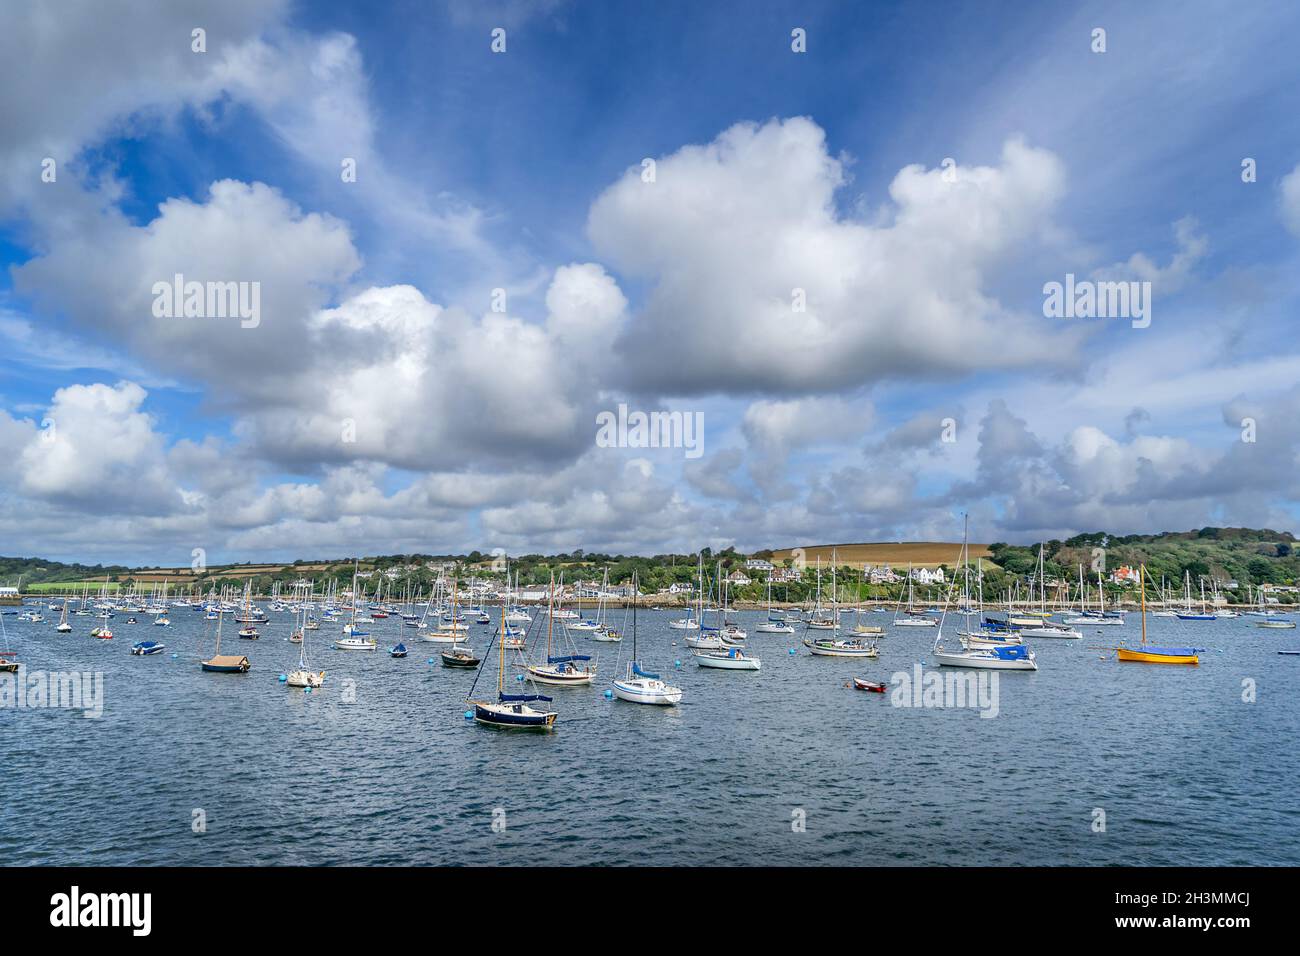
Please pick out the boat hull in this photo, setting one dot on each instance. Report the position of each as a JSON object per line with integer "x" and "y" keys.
{"x": 559, "y": 678}
{"x": 655, "y": 693}
{"x": 1147, "y": 657}
{"x": 513, "y": 717}
{"x": 840, "y": 649}
{"x": 945, "y": 659}
{"x": 355, "y": 644}
{"x": 216, "y": 666}
{"x": 726, "y": 663}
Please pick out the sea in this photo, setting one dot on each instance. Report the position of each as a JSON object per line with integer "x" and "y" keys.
{"x": 1086, "y": 761}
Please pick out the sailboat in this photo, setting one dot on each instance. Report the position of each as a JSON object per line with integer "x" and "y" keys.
{"x": 818, "y": 620}
{"x": 510, "y": 711}
{"x": 1041, "y": 626}
{"x": 1187, "y": 614}
{"x": 640, "y": 686}
{"x": 689, "y": 622}
{"x": 775, "y": 623}
{"x": 1150, "y": 654}
{"x": 356, "y": 639}
{"x": 1001, "y": 657}
{"x": 832, "y": 646}
{"x": 248, "y": 632}
{"x": 709, "y": 638}
{"x": 225, "y": 663}
{"x": 103, "y": 631}
{"x": 303, "y": 676}
{"x": 567, "y": 669}
{"x": 448, "y": 632}
{"x": 8, "y": 657}
{"x": 911, "y": 617}
{"x": 64, "y": 627}
{"x": 603, "y": 632}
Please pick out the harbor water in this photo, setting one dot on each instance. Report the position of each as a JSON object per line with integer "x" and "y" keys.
{"x": 1087, "y": 761}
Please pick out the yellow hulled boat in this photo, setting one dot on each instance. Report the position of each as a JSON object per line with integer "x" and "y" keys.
{"x": 1149, "y": 654}
{"x": 1159, "y": 655}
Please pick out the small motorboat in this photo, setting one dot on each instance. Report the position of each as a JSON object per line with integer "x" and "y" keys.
{"x": 131, "y": 620}
{"x": 398, "y": 651}
{"x": 147, "y": 648}
{"x": 249, "y": 633}
{"x": 875, "y": 688}
{"x": 1279, "y": 623}
{"x": 1290, "y": 653}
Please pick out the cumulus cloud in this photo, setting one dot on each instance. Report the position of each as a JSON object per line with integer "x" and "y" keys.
{"x": 389, "y": 376}
{"x": 97, "y": 448}
{"x": 733, "y": 233}
{"x": 103, "y": 281}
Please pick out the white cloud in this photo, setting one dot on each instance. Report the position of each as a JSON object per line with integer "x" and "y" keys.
{"x": 727, "y": 231}
{"x": 98, "y": 448}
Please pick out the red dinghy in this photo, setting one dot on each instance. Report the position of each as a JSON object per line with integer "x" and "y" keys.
{"x": 861, "y": 684}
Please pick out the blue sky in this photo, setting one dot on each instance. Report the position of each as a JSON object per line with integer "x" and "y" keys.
{"x": 130, "y": 437}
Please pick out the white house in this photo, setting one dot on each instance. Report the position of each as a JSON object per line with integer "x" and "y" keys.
{"x": 738, "y": 577}
{"x": 758, "y": 564}
{"x": 926, "y": 576}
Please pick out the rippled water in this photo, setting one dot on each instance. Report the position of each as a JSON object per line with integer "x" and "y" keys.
{"x": 1186, "y": 772}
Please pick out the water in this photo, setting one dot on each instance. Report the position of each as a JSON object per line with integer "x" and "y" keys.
{"x": 1186, "y": 772}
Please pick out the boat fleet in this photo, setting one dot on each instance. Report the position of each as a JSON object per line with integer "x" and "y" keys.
{"x": 966, "y": 634}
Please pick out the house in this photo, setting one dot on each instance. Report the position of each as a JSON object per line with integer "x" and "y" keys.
{"x": 926, "y": 576}
{"x": 679, "y": 588}
{"x": 881, "y": 574}
{"x": 1125, "y": 574}
{"x": 758, "y": 564}
{"x": 786, "y": 575}
{"x": 738, "y": 578}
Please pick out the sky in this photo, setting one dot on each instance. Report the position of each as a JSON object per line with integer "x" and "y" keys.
{"x": 824, "y": 230}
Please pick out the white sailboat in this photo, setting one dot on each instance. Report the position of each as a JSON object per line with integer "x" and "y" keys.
{"x": 356, "y": 639}
{"x": 775, "y": 623}
{"x": 910, "y": 616}
{"x": 303, "y": 676}
{"x": 563, "y": 670}
{"x": 643, "y": 687}
{"x": 689, "y": 622}
{"x": 1003, "y": 657}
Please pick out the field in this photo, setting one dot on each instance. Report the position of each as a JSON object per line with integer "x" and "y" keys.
{"x": 919, "y": 553}
{"x": 69, "y": 587}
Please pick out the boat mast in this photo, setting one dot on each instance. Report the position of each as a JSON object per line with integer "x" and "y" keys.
{"x": 1142, "y": 586}
{"x": 501, "y": 652}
